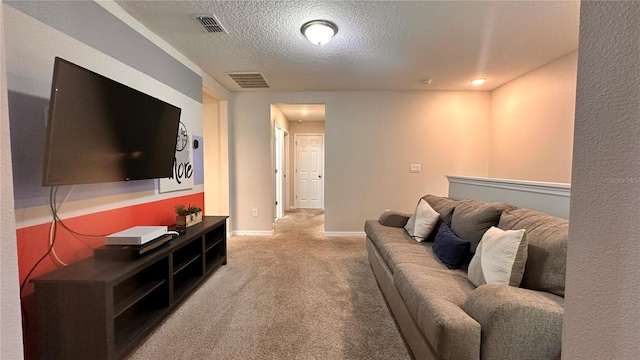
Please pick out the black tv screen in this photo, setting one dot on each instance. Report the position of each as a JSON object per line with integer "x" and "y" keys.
{"x": 100, "y": 130}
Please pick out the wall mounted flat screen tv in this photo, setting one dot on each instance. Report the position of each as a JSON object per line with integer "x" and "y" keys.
{"x": 100, "y": 130}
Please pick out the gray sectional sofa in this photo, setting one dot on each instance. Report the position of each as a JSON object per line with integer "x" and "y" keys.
{"x": 442, "y": 315}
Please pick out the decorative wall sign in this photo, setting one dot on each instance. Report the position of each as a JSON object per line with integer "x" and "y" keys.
{"x": 182, "y": 177}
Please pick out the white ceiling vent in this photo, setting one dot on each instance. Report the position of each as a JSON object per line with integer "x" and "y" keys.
{"x": 209, "y": 23}
{"x": 249, "y": 80}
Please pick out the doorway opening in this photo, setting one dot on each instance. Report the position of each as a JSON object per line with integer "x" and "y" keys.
{"x": 298, "y": 148}
{"x": 279, "y": 173}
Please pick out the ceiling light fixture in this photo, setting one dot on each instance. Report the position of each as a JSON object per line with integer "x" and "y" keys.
{"x": 319, "y": 32}
{"x": 304, "y": 111}
{"x": 478, "y": 81}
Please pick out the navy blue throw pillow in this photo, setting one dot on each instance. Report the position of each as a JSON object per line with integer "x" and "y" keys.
{"x": 450, "y": 249}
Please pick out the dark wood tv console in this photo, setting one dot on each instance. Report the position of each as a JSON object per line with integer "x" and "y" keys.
{"x": 96, "y": 309}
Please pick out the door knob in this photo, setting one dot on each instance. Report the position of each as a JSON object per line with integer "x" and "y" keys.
{"x": 319, "y": 176}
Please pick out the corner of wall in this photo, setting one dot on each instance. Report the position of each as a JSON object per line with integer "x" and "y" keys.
{"x": 531, "y": 124}
{"x": 11, "y": 324}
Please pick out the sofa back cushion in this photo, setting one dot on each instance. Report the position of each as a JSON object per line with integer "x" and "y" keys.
{"x": 472, "y": 218}
{"x": 547, "y": 253}
{"x": 444, "y": 206}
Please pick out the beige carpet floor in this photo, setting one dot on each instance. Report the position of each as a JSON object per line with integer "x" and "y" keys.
{"x": 294, "y": 295}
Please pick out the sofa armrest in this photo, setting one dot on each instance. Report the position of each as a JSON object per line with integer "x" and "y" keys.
{"x": 517, "y": 323}
{"x": 394, "y": 219}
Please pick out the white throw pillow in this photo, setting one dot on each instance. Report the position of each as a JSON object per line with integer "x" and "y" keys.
{"x": 500, "y": 258}
{"x": 422, "y": 222}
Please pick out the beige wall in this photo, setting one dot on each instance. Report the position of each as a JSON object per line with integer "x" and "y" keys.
{"x": 602, "y": 303}
{"x": 11, "y": 324}
{"x": 277, "y": 117}
{"x": 211, "y": 151}
{"x": 216, "y": 156}
{"x": 532, "y": 124}
{"x": 308, "y": 127}
{"x": 370, "y": 140}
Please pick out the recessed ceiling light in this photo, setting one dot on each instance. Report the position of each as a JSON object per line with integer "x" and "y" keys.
{"x": 478, "y": 81}
{"x": 304, "y": 111}
{"x": 319, "y": 32}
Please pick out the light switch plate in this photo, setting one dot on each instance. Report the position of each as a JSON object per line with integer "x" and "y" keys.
{"x": 415, "y": 168}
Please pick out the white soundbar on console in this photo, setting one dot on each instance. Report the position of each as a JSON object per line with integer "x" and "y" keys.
{"x": 136, "y": 235}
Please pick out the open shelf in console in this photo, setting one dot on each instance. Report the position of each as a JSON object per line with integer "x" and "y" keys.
{"x": 142, "y": 285}
{"x": 187, "y": 268}
{"x": 140, "y": 317}
{"x": 213, "y": 237}
{"x": 189, "y": 255}
{"x": 215, "y": 248}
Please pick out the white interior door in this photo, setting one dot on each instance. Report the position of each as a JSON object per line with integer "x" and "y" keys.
{"x": 309, "y": 171}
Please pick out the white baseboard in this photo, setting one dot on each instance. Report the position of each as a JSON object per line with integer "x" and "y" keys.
{"x": 252, "y": 233}
{"x": 344, "y": 234}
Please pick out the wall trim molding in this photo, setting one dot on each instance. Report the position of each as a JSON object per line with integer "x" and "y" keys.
{"x": 37, "y": 215}
{"x": 252, "y": 233}
{"x": 547, "y": 197}
{"x": 344, "y": 233}
{"x": 536, "y": 187}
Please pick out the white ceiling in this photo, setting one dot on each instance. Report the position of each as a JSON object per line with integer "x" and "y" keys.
{"x": 380, "y": 45}
{"x": 294, "y": 112}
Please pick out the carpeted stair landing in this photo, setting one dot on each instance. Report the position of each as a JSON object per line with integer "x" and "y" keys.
{"x": 294, "y": 295}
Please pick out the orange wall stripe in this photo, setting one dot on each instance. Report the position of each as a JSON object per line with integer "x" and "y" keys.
{"x": 33, "y": 241}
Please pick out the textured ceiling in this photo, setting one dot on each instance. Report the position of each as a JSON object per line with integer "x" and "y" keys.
{"x": 380, "y": 45}
{"x": 294, "y": 112}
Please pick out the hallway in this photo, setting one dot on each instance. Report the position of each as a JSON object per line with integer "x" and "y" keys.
{"x": 301, "y": 222}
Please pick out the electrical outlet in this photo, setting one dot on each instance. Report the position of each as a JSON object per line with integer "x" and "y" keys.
{"x": 415, "y": 168}
{"x": 255, "y": 212}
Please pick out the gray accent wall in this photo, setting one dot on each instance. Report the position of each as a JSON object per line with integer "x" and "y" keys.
{"x": 90, "y": 23}
{"x": 54, "y": 26}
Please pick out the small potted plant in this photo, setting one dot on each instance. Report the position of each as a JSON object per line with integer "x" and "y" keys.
{"x": 187, "y": 215}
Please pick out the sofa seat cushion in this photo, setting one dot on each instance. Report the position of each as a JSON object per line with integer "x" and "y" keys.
{"x": 434, "y": 298}
{"x": 418, "y": 254}
{"x": 380, "y": 234}
{"x": 547, "y": 251}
